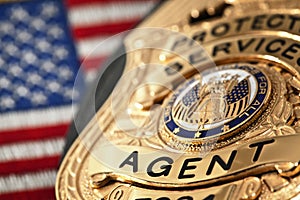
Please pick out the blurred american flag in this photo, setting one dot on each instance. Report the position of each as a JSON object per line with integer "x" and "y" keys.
{"x": 38, "y": 66}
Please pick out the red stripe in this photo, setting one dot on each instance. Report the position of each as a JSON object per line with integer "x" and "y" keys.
{"x": 29, "y": 165}
{"x": 37, "y": 194}
{"x": 105, "y": 28}
{"x": 71, "y": 3}
{"x": 26, "y": 134}
{"x": 92, "y": 63}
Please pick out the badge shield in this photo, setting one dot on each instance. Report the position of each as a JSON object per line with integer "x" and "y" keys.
{"x": 206, "y": 108}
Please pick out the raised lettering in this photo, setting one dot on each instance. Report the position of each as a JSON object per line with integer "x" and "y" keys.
{"x": 173, "y": 68}
{"x": 166, "y": 168}
{"x": 261, "y": 41}
{"x": 275, "y": 21}
{"x": 293, "y": 19}
{"x": 293, "y": 48}
{"x": 221, "y": 47}
{"x": 240, "y": 23}
{"x": 242, "y": 46}
{"x": 257, "y": 22}
{"x": 132, "y": 160}
{"x": 218, "y": 159}
{"x": 270, "y": 48}
{"x": 197, "y": 56}
{"x": 259, "y": 148}
{"x": 186, "y": 166}
{"x": 220, "y": 29}
{"x": 179, "y": 43}
{"x": 199, "y": 36}
{"x": 262, "y": 78}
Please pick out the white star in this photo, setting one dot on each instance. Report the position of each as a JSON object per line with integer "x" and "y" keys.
{"x": 225, "y": 128}
{"x": 43, "y": 45}
{"x": 22, "y": 91}
{"x": 19, "y": 14}
{"x": 48, "y": 66}
{"x": 11, "y": 49}
{"x": 65, "y": 73}
{"x": 61, "y": 52}
{"x": 38, "y": 98}
{"x": 34, "y": 78}
{"x": 4, "y": 82}
{"x": 49, "y": 10}
{"x": 23, "y": 36}
{"x": 6, "y": 28}
{"x": 53, "y": 86}
{"x": 55, "y": 31}
{"x": 29, "y": 57}
{"x": 7, "y": 102}
{"x": 197, "y": 134}
{"x": 176, "y": 130}
{"x": 15, "y": 70}
{"x": 69, "y": 93}
{"x": 37, "y": 24}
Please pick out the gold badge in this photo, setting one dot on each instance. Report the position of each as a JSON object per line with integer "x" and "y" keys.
{"x": 208, "y": 108}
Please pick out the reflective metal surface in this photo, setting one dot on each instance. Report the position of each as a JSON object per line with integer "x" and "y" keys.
{"x": 207, "y": 108}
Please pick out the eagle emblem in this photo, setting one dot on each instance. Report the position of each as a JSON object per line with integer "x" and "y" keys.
{"x": 217, "y": 100}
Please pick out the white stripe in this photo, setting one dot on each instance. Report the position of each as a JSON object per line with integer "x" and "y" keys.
{"x": 100, "y": 46}
{"x": 104, "y": 13}
{"x": 91, "y": 75}
{"x": 28, "y": 181}
{"x": 26, "y": 150}
{"x": 33, "y": 118}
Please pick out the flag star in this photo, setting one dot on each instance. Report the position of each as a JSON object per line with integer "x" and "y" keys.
{"x": 53, "y": 86}
{"x": 176, "y": 130}
{"x": 4, "y": 82}
{"x": 24, "y": 36}
{"x": 6, "y": 28}
{"x": 11, "y": 49}
{"x": 15, "y": 70}
{"x": 22, "y": 91}
{"x": 29, "y": 57}
{"x": 19, "y": 14}
{"x": 68, "y": 93}
{"x": 7, "y": 102}
{"x": 49, "y": 10}
{"x": 37, "y": 24}
{"x": 43, "y": 45}
{"x": 55, "y": 31}
{"x": 38, "y": 98}
{"x": 65, "y": 73}
{"x": 34, "y": 78}
{"x": 61, "y": 52}
{"x": 48, "y": 66}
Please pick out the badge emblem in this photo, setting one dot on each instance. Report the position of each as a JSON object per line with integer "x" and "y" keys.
{"x": 215, "y": 105}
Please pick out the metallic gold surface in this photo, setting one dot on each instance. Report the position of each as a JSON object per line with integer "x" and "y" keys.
{"x": 208, "y": 107}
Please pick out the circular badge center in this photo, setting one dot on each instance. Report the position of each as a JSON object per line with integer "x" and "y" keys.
{"x": 217, "y": 101}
